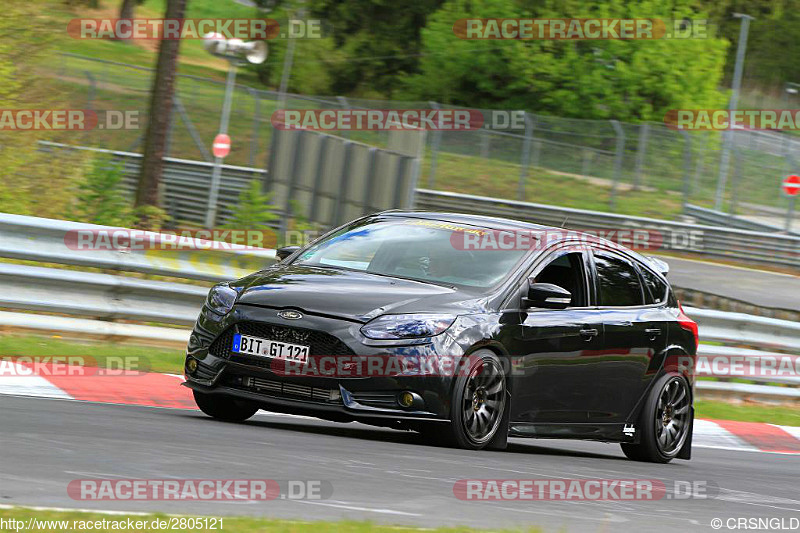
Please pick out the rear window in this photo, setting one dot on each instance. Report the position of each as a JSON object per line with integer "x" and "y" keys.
{"x": 656, "y": 287}
{"x": 618, "y": 281}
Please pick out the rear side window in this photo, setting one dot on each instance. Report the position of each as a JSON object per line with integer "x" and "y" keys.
{"x": 618, "y": 282}
{"x": 656, "y": 287}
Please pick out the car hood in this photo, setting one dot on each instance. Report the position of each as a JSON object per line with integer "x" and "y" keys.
{"x": 357, "y": 296}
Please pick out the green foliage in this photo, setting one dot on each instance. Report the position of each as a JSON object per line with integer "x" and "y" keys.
{"x": 99, "y": 199}
{"x": 381, "y": 36}
{"x": 773, "y": 49}
{"x": 30, "y": 182}
{"x": 254, "y": 210}
{"x": 314, "y": 60}
{"x": 625, "y": 80}
{"x": 150, "y": 217}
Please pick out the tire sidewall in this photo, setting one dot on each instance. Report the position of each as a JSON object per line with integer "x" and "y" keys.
{"x": 649, "y": 443}
{"x": 460, "y": 433}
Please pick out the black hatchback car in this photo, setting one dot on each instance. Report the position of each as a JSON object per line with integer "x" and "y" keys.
{"x": 468, "y": 329}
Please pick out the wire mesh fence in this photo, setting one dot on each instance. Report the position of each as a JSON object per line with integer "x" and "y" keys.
{"x": 605, "y": 155}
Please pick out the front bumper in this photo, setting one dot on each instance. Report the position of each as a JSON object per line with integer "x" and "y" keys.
{"x": 340, "y": 396}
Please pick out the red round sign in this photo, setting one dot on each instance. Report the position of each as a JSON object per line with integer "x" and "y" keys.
{"x": 221, "y": 146}
{"x": 791, "y": 185}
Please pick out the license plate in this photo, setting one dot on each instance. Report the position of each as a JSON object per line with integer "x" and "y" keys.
{"x": 245, "y": 344}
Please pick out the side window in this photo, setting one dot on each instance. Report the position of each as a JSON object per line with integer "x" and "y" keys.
{"x": 618, "y": 282}
{"x": 657, "y": 289}
{"x": 567, "y": 272}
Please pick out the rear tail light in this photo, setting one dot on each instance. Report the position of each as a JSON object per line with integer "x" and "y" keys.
{"x": 689, "y": 325}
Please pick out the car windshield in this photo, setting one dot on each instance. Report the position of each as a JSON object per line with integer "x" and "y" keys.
{"x": 419, "y": 249}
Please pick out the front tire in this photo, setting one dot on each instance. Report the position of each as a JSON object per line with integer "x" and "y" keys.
{"x": 479, "y": 403}
{"x": 664, "y": 422}
{"x": 224, "y": 407}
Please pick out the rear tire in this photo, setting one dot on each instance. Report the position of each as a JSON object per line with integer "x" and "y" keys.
{"x": 478, "y": 407}
{"x": 664, "y": 422}
{"x": 224, "y": 407}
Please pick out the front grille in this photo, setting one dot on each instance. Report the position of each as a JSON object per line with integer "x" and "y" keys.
{"x": 320, "y": 343}
{"x": 290, "y": 390}
{"x": 386, "y": 400}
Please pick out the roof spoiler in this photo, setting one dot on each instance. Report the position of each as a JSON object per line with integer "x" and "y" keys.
{"x": 660, "y": 265}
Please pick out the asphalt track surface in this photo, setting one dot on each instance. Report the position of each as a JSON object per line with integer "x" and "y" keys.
{"x": 759, "y": 287}
{"x": 377, "y": 474}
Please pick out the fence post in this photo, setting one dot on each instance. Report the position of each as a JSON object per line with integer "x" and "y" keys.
{"x": 437, "y": 139}
{"x": 790, "y": 208}
{"x": 484, "y": 143}
{"x": 737, "y": 175}
{"x": 537, "y": 150}
{"x": 687, "y": 167}
{"x": 89, "y": 97}
{"x": 526, "y": 155}
{"x": 256, "y": 119}
{"x": 699, "y": 167}
{"x": 587, "y": 154}
{"x": 644, "y": 131}
{"x": 620, "y": 152}
{"x": 345, "y": 105}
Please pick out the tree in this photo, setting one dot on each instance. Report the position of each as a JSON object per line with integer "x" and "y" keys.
{"x": 126, "y": 10}
{"x": 381, "y": 38}
{"x": 147, "y": 192}
{"x": 621, "y": 79}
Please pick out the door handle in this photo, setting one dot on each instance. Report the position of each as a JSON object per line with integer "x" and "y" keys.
{"x": 588, "y": 333}
{"x": 652, "y": 332}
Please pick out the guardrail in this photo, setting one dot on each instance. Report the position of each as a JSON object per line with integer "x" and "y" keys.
{"x": 720, "y": 242}
{"x": 712, "y": 217}
{"x": 94, "y": 302}
{"x": 186, "y": 182}
{"x": 49, "y": 241}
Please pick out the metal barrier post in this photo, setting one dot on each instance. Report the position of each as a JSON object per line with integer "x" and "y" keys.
{"x": 343, "y": 179}
{"x": 290, "y": 182}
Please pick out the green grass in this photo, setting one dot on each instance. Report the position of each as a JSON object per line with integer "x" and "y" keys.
{"x": 156, "y": 359}
{"x": 238, "y": 524}
{"x": 489, "y": 177}
{"x": 772, "y": 414}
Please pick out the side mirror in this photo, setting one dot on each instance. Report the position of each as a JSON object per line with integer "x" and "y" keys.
{"x": 546, "y": 295}
{"x": 286, "y": 251}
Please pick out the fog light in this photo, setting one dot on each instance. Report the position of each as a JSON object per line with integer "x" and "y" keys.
{"x": 191, "y": 365}
{"x": 406, "y": 399}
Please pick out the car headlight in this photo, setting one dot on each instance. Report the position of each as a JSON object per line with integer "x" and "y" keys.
{"x": 220, "y": 299}
{"x": 407, "y": 326}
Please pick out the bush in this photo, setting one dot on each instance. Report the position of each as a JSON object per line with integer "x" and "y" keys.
{"x": 99, "y": 198}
